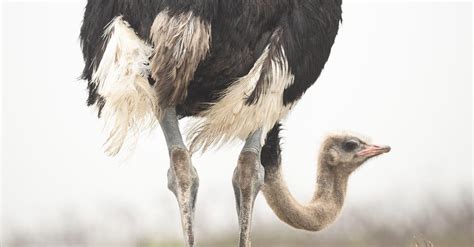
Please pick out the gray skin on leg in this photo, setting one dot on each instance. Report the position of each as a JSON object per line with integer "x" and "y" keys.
{"x": 183, "y": 179}
{"x": 247, "y": 180}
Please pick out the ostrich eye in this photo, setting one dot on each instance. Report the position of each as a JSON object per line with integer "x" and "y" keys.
{"x": 350, "y": 146}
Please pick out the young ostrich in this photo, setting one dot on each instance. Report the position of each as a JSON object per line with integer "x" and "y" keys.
{"x": 239, "y": 66}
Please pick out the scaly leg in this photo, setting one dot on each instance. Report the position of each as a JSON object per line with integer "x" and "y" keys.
{"x": 247, "y": 181}
{"x": 183, "y": 180}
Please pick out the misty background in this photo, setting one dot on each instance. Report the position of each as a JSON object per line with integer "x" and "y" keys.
{"x": 399, "y": 73}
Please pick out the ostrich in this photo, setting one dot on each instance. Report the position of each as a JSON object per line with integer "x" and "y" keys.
{"x": 238, "y": 67}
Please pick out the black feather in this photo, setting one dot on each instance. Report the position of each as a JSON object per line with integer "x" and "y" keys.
{"x": 271, "y": 151}
{"x": 241, "y": 30}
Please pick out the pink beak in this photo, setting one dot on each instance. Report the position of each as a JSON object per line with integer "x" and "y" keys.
{"x": 373, "y": 150}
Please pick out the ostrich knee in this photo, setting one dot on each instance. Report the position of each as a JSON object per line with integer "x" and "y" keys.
{"x": 182, "y": 176}
{"x": 183, "y": 181}
{"x": 248, "y": 176}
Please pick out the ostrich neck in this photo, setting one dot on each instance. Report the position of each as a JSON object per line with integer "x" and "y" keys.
{"x": 322, "y": 210}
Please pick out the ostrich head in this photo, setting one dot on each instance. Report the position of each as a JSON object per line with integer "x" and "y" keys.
{"x": 347, "y": 152}
{"x": 340, "y": 155}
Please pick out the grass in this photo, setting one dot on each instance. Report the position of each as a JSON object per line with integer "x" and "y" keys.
{"x": 439, "y": 224}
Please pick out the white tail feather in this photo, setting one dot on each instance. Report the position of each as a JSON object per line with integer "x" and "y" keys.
{"x": 122, "y": 78}
{"x": 231, "y": 118}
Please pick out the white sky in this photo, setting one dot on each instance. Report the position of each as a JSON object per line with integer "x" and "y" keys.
{"x": 399, "y": 73}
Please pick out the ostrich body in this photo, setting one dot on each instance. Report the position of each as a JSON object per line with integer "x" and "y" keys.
{"x": 238, "y": 66}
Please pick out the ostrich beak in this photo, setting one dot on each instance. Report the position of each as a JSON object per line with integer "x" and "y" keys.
{"x": 373, "y": 150}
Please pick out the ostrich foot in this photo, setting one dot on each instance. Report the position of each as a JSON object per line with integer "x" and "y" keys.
{"x": 247, "y": 180}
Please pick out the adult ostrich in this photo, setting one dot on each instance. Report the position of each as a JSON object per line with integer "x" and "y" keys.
{"x": 238, "y": 66}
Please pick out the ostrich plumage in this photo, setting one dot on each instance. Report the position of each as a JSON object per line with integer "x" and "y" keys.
{"x": 296, "y": 36}
{"x": 239, "y": 66}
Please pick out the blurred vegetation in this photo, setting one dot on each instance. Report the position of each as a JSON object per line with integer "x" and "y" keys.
{"x": 439, "y": 223}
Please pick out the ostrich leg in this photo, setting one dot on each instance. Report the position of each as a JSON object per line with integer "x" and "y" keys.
{"x": 183, "y": 180}
{"x": 247, "y": 181}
